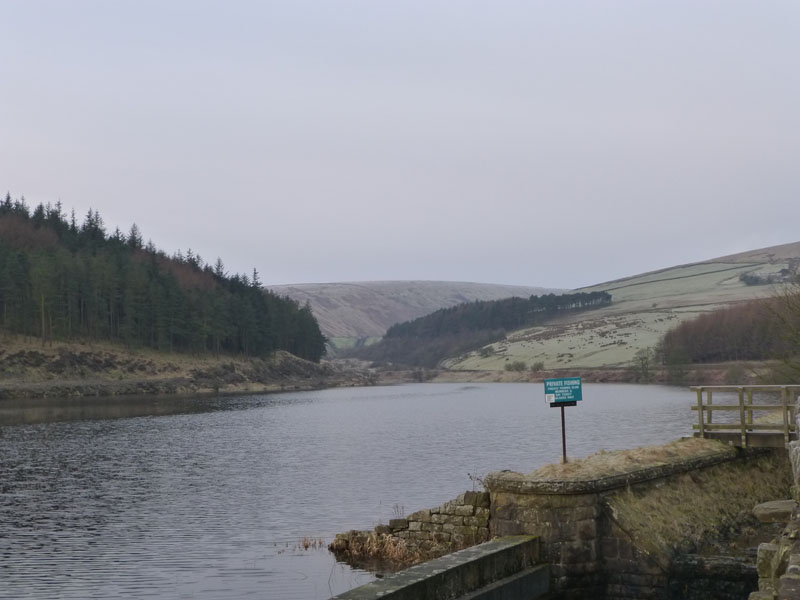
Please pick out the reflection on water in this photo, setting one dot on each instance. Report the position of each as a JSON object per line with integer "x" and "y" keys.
{"x": 211, "y": 497}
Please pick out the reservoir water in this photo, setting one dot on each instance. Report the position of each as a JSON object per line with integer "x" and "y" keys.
{"x": 229, "y": 497}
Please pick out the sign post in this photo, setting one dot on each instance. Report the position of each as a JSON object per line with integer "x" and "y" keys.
{"x": 563, "y": 392}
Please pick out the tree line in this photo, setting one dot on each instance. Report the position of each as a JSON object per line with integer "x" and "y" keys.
{"x": 65, "y": 280}
{"x": 746, "y": 331}
{"x": 447, "y": 332}
{"x": 507, "y": 314}
{"x": 764, "y": 329}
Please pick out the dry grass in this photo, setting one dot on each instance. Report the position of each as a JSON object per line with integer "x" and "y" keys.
{"x": 370, "y": 548}
{"x": 701, "y": 505}
{"x": 606, "y": 464}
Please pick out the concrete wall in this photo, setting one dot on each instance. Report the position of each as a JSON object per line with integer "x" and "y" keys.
{"x": 505, "y": 568}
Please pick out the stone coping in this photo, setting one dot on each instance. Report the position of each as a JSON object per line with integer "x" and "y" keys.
{"x": 455, "y": 574}
{"x": 509, "y": 481}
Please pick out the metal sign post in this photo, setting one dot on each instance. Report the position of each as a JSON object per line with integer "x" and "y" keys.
{"x": 567, "y": 391}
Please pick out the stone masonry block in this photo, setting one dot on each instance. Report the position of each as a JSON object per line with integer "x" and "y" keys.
{"x": 477, "y": 521}
{"x": 793, "y": 568}
{"x": 766, "y": 554}
{"x": 609, "y": 548}
{"x": 423, "y": 516}
{"x": 789, "y": 587}
{"x": 587, "y": 529}
{"x": 397, "y": 524}
{"x": 465, "y": 511}
{"x": 414, "y": 526}
{"x": 576, "y": 552}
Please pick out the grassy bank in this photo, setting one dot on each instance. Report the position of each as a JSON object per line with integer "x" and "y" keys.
{"x": 29, "y": 369}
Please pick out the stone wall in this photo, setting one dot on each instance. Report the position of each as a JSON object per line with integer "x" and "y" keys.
{"x": 420, "y": 536}
{"x": 779, "y": 561}
{"x": 600, "y": 537}
{"x": 596, "y": 550}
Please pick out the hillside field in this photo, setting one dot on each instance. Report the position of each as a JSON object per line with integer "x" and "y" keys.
{"x": 644, "y": 307}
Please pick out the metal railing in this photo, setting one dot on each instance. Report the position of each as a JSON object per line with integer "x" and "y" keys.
{"x": 761, "y": 431}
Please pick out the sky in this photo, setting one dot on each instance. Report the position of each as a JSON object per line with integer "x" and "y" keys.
{"x": 559, "y": 143}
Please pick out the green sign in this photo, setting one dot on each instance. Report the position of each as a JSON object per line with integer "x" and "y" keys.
{"x": 566, "y": 389}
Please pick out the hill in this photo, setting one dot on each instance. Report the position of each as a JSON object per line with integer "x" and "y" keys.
{"x": 644, "y": 307}
{"x": 348, "y": 312}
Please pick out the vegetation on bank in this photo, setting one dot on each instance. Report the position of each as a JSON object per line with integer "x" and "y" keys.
{"x": 70, "y": 281}
{"x": 698, "y": 509}
{"x": 425, "y": 341}
{"x": 64, "y": 370}
{"x": 758, "y": 330}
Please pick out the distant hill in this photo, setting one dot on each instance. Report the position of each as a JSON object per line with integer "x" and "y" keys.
{"x": 366, "y": 309}
{"x": 643, "y": 308}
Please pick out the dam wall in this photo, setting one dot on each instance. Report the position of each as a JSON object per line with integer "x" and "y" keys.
{"x": 633, "y": 535}
{"x": 632, "y": 530}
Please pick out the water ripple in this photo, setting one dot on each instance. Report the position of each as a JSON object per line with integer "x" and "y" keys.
{"x": 212, "y": 499}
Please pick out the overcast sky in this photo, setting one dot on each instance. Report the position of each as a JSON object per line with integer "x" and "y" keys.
{"x": 558, "y": 143}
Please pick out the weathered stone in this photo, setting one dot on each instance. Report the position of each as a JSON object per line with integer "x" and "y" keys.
{"x": 789, "y": 587}
{"x": 777, "y": 511}
{"x": 464, "y": 511}
{"x": 464, "y": 530}
{"x": 587, "y": 529}
{"x": 454, "y": 520}
{"x": 414, "y": 526}
{"x": 793, "y": 568}
{"x": 421, "y": 515}
{"x": 482, "y": 535}
{"x": 780, "y": 560}
{"x": 576, "y": 552}
{"x": 438, "y": 518}
{"x": 398, "y": 524}
{"x": 761, "y": 596}
{"x": 382, "y": 529}
{"x": 766, "y": 585}
{"x": 477, "y": 521}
